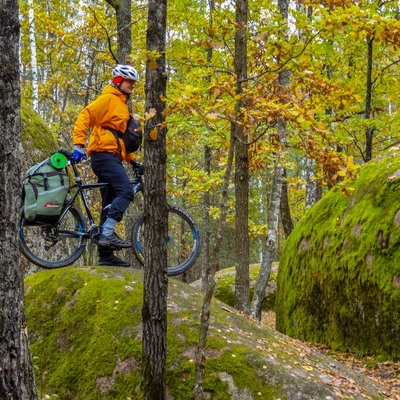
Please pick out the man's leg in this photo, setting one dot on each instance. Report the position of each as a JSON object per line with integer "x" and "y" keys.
{"x": 115, "y": 199}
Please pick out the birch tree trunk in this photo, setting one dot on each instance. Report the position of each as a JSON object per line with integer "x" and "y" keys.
{"x": 273, "y": 222}
{"x": 313, "y": 193}
{"x": 261, "y": 211}
{"x": 16, "y": 372}
{"x": 32, "y": 43}
{"x": 273, "y": 215}
{"x": 154, "y": 310}
{"x": 242, "y": 285}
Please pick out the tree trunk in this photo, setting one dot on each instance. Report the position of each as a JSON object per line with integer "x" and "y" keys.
{"x": 16, "y": 372}
{"x": 32, "y": 43}
{"x": 124, "y": 29}
{"x": 242, "y": 289}
{"x": 284, "y": 208}
{"x": 369, "y": 131}
{"x": 210, "y": 278}
{"x": 205, "y": 252}
{"x": 154, "y": 311}
{"x": 208, "y": 271}
{"x": 313, "y": 192}
{"x": 273, "y": 215}
{"x": 269, "y": 253}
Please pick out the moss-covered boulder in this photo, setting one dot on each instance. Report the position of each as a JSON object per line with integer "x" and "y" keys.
{"x": 36, "y": 139}
{"x": 225, "y": 285}
{"x": 85, "y": 331}
{"x": 339, "y": 274}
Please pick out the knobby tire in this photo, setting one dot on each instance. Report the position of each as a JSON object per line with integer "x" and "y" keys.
{"x": 183, "y": 240}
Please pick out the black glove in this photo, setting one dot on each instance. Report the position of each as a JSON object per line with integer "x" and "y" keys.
{"x": 137, "y": 166}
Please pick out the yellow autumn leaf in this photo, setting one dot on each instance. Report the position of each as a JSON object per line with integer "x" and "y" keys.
{"x": 154, "y": 133}
{"x": 307, "y": 368}
{"x": 213, "y": 116}
{"x": 150, "y": 114}
{"x": 153, "y": 65}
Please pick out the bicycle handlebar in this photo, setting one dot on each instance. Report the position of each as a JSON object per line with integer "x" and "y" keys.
{"x": 68, "y": 154}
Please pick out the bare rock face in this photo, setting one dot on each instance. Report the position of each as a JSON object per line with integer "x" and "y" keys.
{"x": 338, "y": 278}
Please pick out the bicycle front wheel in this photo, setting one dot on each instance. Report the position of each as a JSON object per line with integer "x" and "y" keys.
{"x": 183, "y": 244}
{"x": 53, "y": 245}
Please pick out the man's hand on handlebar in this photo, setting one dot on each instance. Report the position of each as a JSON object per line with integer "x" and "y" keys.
{"x": 137, "y": 166}
{"x": 78, "y": 154}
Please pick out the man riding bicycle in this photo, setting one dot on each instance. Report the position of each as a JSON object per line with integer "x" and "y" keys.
{"x": 109, "y": 114}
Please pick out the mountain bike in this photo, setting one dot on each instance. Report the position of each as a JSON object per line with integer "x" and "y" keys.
{"x": 60, "y": 243}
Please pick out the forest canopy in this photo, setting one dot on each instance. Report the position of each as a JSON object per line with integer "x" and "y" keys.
{"x": 340, "y": 107}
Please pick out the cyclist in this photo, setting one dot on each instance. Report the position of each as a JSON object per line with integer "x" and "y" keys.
{"x": 108, "y": 113}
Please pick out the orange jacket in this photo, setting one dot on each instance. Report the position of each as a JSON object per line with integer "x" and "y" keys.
{"x": 109, "y": 109}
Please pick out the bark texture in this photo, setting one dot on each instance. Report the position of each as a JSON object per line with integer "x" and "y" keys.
{"x": 286, "y": 218}
{"x": 16, "y": 373}
{"x": 154, "y": 311}
{"x": 242, "y": 284}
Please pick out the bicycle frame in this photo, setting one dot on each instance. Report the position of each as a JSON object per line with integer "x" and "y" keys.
{"x": 137, "y": 183}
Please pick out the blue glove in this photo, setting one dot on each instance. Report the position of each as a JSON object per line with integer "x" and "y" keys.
{"x": 78, "y": 155}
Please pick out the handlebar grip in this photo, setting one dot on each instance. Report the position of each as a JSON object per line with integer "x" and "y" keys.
{"x": 66, "y": 153}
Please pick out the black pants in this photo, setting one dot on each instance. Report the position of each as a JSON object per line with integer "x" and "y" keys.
{"x": 115, "y": 198}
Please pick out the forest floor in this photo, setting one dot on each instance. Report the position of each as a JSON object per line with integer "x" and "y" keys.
{"x": 386, "y": 373}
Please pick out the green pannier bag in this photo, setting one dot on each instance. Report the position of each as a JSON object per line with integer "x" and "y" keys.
{"x": 45, "y": 189}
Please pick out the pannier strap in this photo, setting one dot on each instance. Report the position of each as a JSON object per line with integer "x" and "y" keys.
{"x": 46, "y": 183}
{"x": 118, "y": 135}
{"x": 45, "y": 178}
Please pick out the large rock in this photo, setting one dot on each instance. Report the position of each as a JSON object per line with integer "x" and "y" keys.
{"x": 37, "y": 141}
{"x": 85, "y": 331}
{"x": 339, "y": 275}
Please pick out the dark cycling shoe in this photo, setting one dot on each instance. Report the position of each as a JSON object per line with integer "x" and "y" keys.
{"x": 113, "y": 261}
{"x": 113, "y": 240}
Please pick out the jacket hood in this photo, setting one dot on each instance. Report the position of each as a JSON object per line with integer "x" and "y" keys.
{"x": 110, "y": 89}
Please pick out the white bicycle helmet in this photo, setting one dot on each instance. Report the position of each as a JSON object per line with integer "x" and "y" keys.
{"x": 126, "y": 71}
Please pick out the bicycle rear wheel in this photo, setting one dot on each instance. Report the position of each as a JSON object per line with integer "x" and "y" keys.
{"x": 53, "y": 245}
{"x": 183, "y": 240}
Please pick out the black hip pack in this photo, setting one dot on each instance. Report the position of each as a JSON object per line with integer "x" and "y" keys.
{"x": 132, "y": 137}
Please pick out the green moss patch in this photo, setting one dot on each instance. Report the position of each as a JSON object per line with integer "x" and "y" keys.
{"x": 85, "y": 331}
{"x": 36, "y": 138}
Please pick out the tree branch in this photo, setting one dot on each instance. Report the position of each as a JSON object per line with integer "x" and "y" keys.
{"x": 106, "y": 31}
